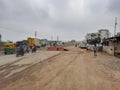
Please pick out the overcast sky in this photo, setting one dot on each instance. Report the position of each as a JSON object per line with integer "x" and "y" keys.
{"x": 68, "y": 19}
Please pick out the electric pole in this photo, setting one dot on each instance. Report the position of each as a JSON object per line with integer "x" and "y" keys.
{"x": 57, "y": 38}
{"x": 51, "y": 38}
{"x": 35, "y": 34}
{"x": 115, "y": 26}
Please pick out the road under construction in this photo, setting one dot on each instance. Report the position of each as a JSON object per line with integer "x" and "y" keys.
{"x": 76, "y": 69}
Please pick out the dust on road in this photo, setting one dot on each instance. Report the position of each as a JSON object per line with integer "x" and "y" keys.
{"x": 73, "y": 70}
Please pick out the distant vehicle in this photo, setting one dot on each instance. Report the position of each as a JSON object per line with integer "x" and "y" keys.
{"x": 20, "y": 48}
{"x": 9, "y": 48}
{"x": 34, "y": 41}
{"x": 19, "y": 51}
{"x": 25, "y": 45}
{"x": 82, "y": 46}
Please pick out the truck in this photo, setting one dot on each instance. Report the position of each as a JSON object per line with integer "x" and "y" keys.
{"x": 34, "y": 41}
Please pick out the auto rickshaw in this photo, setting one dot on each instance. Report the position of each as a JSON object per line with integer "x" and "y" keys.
{"x": 9, "y": 48}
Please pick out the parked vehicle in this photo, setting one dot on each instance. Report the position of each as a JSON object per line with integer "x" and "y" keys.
{"x": 9, "y": 48}
{"x": 82, "y": 46}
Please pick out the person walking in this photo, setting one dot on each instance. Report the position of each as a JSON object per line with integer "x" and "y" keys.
{"x": 95, "y": 50}
{"x": 34, "y": 48}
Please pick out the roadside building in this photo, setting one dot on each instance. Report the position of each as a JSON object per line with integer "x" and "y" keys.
{"x": 108, "y": 46}
{"x": 104, "y": 33}
{"x": 117, "y": 46}
{"x": 112, "y": 46}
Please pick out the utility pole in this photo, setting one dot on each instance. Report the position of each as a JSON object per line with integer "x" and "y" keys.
{"x": 115, "y": 26}
{"x": 35, "y": 34}
{"x": 51, "y": 38}
{"x": 57, "y": 38}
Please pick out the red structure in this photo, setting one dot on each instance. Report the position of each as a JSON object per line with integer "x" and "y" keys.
{"x": 53, "y": 48}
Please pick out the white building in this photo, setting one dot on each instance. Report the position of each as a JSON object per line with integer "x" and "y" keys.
{"x": 104, "y": 33}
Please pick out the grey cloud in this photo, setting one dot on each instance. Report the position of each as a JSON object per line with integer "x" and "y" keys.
{"x": 114, "y": 6}
{"x": 21, "y": 11}
{"x": 97, "y": 6}
{"x": 57, "y": 17}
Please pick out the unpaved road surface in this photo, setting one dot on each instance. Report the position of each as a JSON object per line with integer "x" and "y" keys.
{"x": 73, "y": 70}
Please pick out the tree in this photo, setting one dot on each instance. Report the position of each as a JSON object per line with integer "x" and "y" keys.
{"x": 94, "y": 41}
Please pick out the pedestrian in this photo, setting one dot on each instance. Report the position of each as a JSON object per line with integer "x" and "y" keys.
{"x": 95, "y": 50}
{"x": 75, "y": 45}
{"x": 34, "y": 48}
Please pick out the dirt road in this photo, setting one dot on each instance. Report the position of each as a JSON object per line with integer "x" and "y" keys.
{"x": 73, "y": 70}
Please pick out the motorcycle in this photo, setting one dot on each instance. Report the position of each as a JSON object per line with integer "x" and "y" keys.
{"x": 34, "y": 49}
